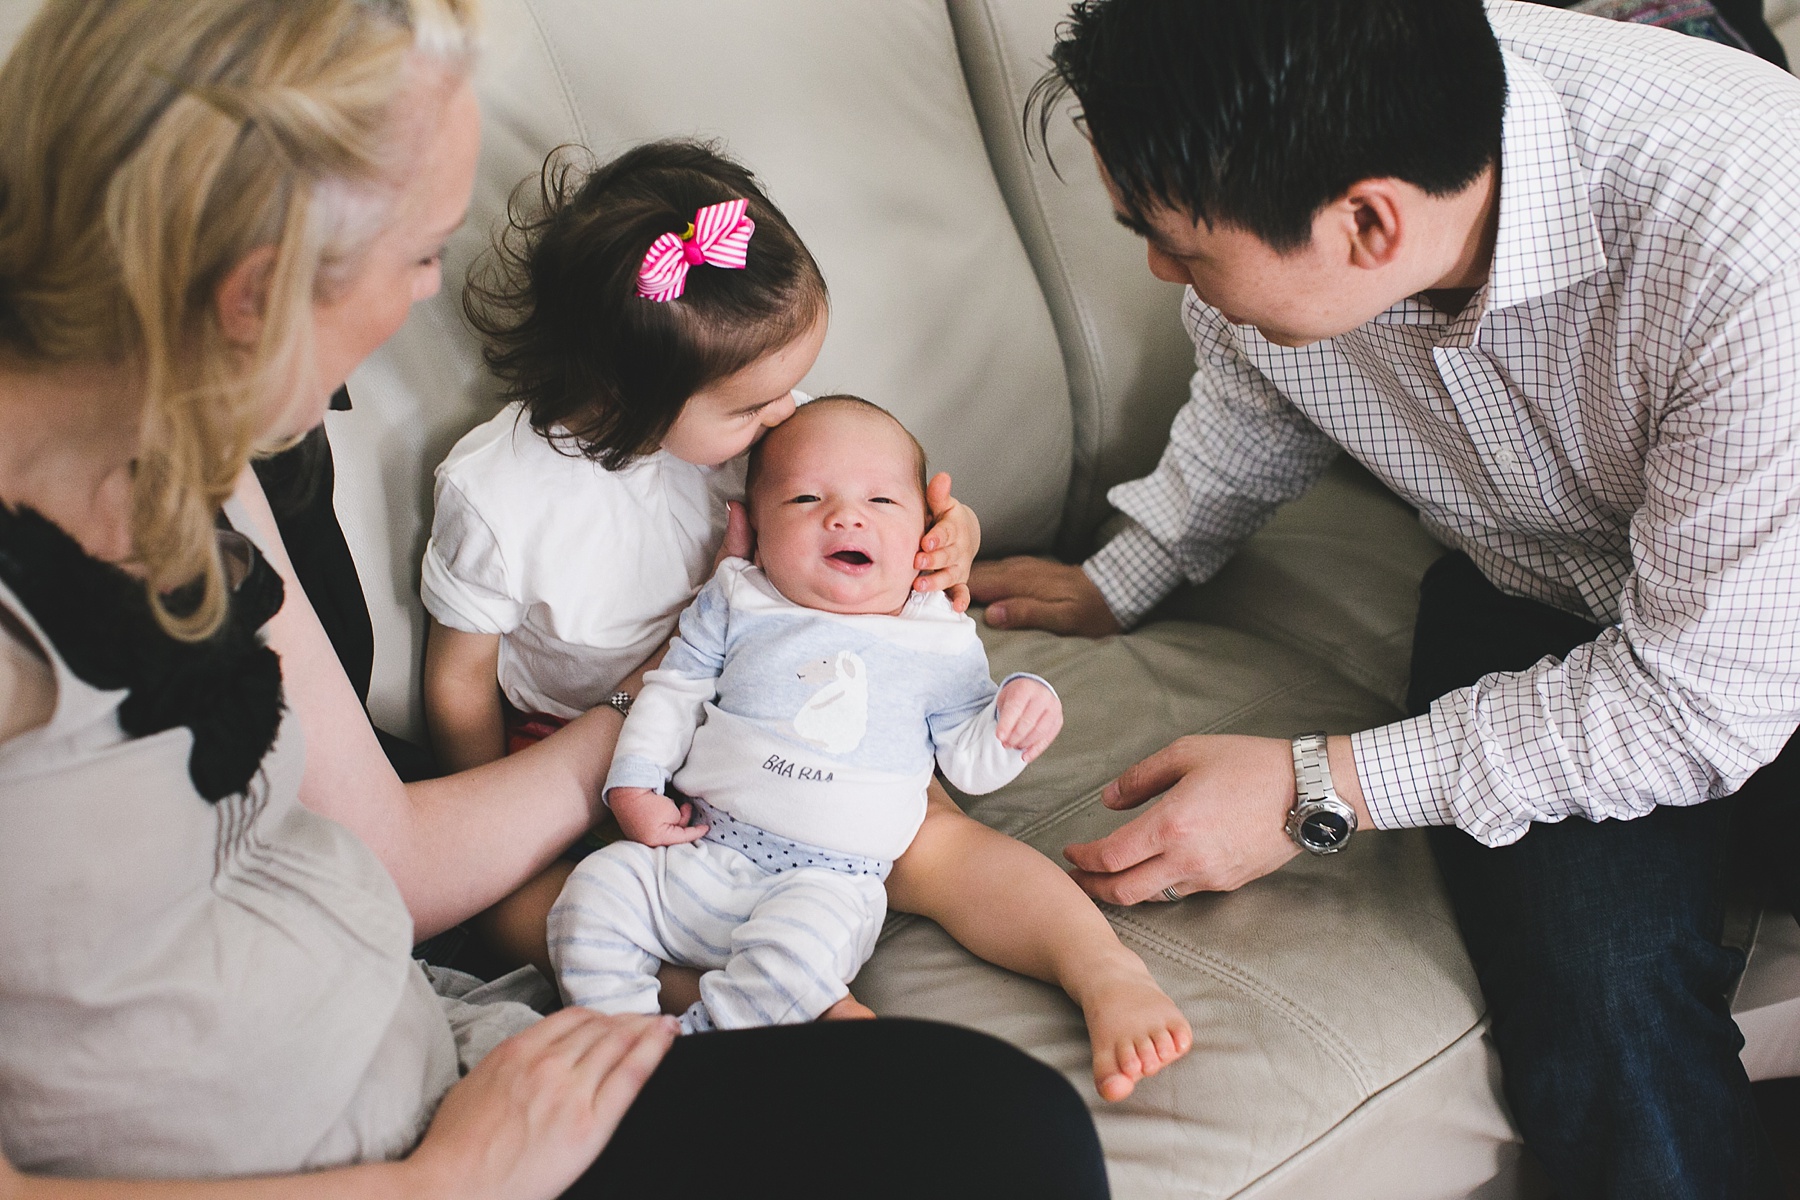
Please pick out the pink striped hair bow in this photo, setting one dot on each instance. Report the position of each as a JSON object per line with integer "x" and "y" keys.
{"x": 719, "y": 237}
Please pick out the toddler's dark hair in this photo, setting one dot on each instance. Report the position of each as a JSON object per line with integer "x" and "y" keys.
{"x": 566, "y": 331}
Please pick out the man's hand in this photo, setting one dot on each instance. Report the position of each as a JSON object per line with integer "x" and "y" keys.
{"x": 1029, "y": 717}
{"x": 652, "y": 818}
{"x": 949, "y": 546}
{"x": 1222, "y": 824}
{"x": 1039, "y": 593}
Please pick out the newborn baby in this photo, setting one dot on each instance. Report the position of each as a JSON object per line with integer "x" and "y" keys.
{"x": 802, "y": 708}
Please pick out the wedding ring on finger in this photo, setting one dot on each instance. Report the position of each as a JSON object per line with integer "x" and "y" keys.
{"x": 1170, "y": 894}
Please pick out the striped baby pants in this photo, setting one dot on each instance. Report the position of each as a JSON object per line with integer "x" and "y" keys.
{"x": 777, "y": 946}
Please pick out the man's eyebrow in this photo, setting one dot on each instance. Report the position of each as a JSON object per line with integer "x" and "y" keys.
{"x": 1142, "y": 228}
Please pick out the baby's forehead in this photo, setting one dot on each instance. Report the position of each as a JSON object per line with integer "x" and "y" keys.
{"x": 826, "y": 420}
{"x": 819, "y": 437}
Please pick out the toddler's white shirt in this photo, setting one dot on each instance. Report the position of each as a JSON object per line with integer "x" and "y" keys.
{"x": 581, "y": 570}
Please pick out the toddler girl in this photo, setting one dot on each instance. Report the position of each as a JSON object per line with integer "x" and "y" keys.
{"x": 649, "y": 324}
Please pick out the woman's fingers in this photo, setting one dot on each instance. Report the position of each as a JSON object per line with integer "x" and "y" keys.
{"x": 538, "y": 1110}
{"x": 600, "y": 1045}
{"x": 629, "y": 1070}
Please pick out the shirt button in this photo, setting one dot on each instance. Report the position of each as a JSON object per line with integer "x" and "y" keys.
{"x": 1506, "y": 458}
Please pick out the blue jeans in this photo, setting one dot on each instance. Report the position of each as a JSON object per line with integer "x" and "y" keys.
{"x": 1597, "y": 948}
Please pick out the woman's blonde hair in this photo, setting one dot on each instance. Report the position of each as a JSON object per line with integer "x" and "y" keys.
{"x": 146, "y": 148}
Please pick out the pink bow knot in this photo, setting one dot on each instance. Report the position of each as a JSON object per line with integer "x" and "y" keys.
{"x": 719, "y": 237}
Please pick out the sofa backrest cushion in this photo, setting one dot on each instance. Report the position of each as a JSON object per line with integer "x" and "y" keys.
{"x": 858, "y": 120}
{"x": 1127, "y": 359}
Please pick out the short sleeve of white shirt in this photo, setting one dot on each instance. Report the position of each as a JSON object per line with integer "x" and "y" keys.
{"x": 463, "y": 579}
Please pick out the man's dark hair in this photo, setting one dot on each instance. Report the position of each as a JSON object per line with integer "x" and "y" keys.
{"x": 565, "y": 329}
{"x": 1257, "y": 113}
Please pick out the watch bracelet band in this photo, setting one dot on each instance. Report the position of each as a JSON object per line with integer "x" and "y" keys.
{"x": 620, "y": 702}
{"x": 1312, "y": 769}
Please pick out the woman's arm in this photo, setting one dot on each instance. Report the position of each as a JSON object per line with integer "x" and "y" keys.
{"x": 527, "y": 1121}
{"x": 456, "y": 845}
{"x": 462, "y": 697}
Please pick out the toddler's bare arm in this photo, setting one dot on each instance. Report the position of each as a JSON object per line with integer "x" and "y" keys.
{"x": 462, "y": 697}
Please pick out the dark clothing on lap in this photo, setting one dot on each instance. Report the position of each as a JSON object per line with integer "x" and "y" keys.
{"x": 865, "y": 1109}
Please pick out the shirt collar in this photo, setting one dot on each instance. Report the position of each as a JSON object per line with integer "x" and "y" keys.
{"x": 1547, "y": 238}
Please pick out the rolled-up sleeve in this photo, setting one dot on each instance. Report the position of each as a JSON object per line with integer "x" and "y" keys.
{"x": 463, "y": 579}
{"x": 1698, "y": 685}
{"x": 1237, "y": 451}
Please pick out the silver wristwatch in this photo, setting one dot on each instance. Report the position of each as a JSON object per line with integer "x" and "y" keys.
{"x": 621, "y": 701}
{"x": 1319, "y": 823}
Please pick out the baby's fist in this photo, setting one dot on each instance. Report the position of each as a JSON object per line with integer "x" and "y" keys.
{"x": 1029, "y": 716}
{"x": 652, "y": 818}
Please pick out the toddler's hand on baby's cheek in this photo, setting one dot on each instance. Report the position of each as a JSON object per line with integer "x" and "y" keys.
{"x": 1029, "y": 717}
{"x": 652, "y": 818}
{"x": 740, "y": 539}
{"x": 949, "y": 546}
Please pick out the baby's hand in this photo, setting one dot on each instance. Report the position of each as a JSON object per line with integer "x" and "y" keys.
{"x": 948, "y": 549}
{"x": 1029, "y": 717}
{"x": 652, "y": 818}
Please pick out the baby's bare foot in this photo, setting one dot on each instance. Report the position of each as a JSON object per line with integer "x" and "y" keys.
{"x": 848, "y": 1009}
{"x": 1134, "y": 1028}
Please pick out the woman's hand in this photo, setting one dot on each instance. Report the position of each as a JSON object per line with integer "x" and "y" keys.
{"x": 534, "y": 1114}
{"x": 948, "y": 550}
{"x": 1029, "y": 717}
{"x": 652, "y": 818}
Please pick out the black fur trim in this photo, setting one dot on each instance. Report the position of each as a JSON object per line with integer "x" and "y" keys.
{"x": 226, "y": 689}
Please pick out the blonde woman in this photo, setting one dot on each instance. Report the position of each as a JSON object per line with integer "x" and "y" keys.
{"x": 210, "y": 879}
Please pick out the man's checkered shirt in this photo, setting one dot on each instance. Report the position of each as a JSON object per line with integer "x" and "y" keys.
{"x": 1611, "y": 425}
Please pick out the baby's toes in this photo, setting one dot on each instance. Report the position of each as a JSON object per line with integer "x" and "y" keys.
{"x": 1116, "y": 1070}
{"x": 1171, "y": 1043}
{"x": 1162, "y": 1048}
{"x": 1147, "y": 1055}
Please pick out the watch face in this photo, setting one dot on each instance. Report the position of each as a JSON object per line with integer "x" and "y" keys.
{"x": 1324, "y": 829}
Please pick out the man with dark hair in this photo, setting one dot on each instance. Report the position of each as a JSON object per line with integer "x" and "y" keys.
{"x": 1540, "y": 273}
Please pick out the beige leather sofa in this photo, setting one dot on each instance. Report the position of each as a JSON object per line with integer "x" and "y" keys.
{"x": 1340, "y": 1046}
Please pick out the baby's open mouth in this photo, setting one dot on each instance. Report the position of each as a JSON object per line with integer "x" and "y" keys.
{"x": 854, "y": 558}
